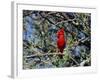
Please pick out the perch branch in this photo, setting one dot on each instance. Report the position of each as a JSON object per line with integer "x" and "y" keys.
{"x": 39, "y": 54}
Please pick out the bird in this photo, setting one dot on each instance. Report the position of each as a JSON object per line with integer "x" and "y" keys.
{"x": 61, "y": 43}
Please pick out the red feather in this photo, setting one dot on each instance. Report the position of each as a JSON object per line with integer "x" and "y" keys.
{"x": 61, "y": 40}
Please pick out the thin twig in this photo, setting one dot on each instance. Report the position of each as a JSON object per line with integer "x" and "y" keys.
{"x": 74, "y": 60}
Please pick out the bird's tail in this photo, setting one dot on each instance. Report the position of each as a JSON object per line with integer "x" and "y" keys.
{"x": 60, "y": 56}
{"x": 61, "y": 50}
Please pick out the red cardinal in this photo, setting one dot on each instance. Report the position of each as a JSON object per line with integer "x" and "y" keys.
{"x": 61, "y": 40}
